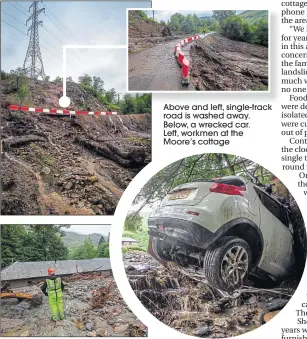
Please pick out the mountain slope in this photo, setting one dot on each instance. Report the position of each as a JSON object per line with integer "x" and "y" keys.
{"x": 252, "y": 16}
{"x": 73, "y": 239}
{"x": 55, "y": 164}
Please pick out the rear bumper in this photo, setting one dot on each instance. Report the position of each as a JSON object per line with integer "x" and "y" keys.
{"x": 178, "y": 230}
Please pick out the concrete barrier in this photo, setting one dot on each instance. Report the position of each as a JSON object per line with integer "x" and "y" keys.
{"x": 56, "y": 111}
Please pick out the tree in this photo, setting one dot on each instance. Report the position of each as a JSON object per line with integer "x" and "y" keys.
{"x": 103, "y": 250}
{"x": 111, "y": 95}
{"x": 86, "y": 251}
{"x": 98, "y": 84}
{"x": 12, "y": 245}
{"x": 261, "y": 32}
{"x": 69, "y": 79}
{"x": 85, "y": 80}
{"x": 22, "y": 93}
{"x": 133, "y": 223}
{"x": 220, "y": 16}
{"x": 47, "y": 78}
{"x": 127, "y": 105}
{"x": 58, "y": 80}
{"x": 32, "y": 243}
{"x": 236, "y": 28}
{"x": 101, "y": 240}
{"x": 203, "y": 166}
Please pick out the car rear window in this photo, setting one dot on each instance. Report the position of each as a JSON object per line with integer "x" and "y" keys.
{"x": 273, "y": 206}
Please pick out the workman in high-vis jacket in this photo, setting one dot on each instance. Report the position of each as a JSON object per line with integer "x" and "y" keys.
{"x": 53, "y": 288}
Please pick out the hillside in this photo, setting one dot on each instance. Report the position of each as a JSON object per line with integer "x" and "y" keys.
{"x": 54, "y": 164}
{"x": 252, "y": 16}
{"x": 144, "y": 32}
{"x": 73, "y": 239}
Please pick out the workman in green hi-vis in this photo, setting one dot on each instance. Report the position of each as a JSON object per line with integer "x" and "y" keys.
{"x": 53, "y": 288}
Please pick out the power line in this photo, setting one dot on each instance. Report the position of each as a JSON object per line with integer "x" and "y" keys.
{"x": 56, "y": 24}
{"x": 14, "y": 27}
{"x": 18, "y": 9}
{"x": 13, "y": 17}
{"x": 50, "y": 51}
{"x": 49, "y": 11}
{"x": 21, "y": 6}
{"x": 53, "y": 35}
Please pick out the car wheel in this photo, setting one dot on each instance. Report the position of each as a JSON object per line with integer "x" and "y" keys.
{"x": 159, "y": 249}
{"x": 227, "y": 263}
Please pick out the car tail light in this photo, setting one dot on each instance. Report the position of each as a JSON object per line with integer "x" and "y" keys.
{"x": 192, "y": 213}
{"x": 226, "y": 189}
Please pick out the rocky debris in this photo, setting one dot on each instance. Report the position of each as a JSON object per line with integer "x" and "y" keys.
{"x": 146, "y": 33}
{"x": 111, "y": 317}
{"x": 141, "y": 27}
{"x": 220, "y": 64}
{"x": 69, "y": 165}
{"x": 183, "y": 300}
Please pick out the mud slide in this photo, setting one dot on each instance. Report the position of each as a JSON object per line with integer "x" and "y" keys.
{"x": 156, "y": 68}
{"x": 48, "y": 203}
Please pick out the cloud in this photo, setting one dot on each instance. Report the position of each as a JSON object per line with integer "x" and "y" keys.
{"x": 71, "y": 22}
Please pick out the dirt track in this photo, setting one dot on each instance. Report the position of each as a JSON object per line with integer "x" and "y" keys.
{"x": 156, "y": 68}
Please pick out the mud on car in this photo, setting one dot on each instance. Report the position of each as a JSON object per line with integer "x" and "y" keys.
{"x": 229, "y": 228}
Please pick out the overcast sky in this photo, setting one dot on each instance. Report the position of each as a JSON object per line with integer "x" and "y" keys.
{"x": 89, "y": 229}
{"x": 69, "y": 22}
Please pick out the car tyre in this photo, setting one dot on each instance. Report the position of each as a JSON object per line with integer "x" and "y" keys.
{"x": 159, "y": 249}
{"x": 227, "y": 263}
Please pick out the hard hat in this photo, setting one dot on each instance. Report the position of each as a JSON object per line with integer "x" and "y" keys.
{"x": 51, "y": 271}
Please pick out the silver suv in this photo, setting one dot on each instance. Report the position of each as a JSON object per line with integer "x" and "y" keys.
{"x": 228, "y": 227}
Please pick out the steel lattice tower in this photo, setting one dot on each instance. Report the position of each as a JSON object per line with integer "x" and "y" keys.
{"x": 33, "y": 64}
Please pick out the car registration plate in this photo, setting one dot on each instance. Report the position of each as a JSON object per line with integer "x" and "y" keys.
{"x": 179, "y": 195}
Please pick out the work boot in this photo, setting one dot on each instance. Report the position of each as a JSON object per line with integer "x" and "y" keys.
{"x": 62, "y": 316}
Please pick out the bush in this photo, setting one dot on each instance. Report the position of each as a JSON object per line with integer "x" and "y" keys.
{"x": 236, "y": 28}
{"x": 132, "y": 248}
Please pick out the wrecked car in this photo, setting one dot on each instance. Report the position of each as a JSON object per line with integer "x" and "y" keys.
{"x": 228, "y": 228}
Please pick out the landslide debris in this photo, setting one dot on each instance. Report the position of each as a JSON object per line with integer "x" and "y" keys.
{"x": 93, "y": 307}
{"x": 144, "y": 32}
{"x": 68, "y": 165}
{"x": 221, "y": 64}
{"x": 182, "y": 300}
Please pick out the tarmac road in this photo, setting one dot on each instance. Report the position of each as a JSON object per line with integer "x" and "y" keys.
{"x": 156, "y": 68}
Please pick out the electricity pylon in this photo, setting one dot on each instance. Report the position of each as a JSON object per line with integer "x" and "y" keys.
{"x": 33, "y": 64}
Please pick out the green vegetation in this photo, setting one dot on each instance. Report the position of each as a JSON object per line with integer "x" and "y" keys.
{"x": 136, "y": 228}
{"x": 89, "y": 250}
{"x": 128, "y": 104}
{"x": 32, "y": 243}
{"x": 18, "y": 84}
{"x": 73, "y": 239}
{"x": 144, "y": 16}
{"x": 203, "y": 166}
{"x": 141, "y": 236}
{"x": 249, "y": 26}
{"x": 236, "y": 28}
{"x": 252, "y": 16}
{"x": 22, "y": 93}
